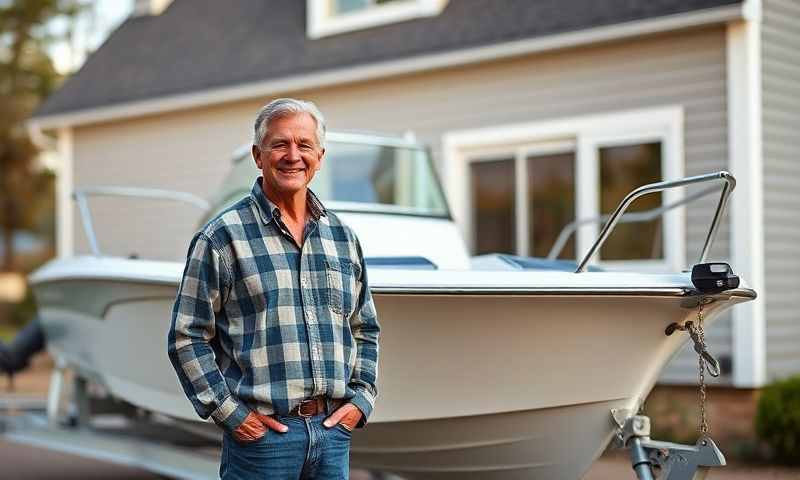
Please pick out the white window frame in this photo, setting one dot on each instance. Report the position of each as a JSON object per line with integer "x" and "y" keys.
{"x": 322, "y": 21}
{"x": 589, "y": 132}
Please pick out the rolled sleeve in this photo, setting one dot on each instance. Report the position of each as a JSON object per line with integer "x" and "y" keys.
{"x": 365, "y": 402}
{"x": 230, "y": 414}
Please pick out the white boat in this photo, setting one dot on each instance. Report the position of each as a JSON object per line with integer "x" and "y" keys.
{"x": 493, "y": 367}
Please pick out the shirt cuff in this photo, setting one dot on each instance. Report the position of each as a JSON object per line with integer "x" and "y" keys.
{"x": 365, "y": 403}
{"x": 230, "y": 414}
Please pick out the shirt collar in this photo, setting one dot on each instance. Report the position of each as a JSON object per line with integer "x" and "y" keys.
{"x": 267, "y": 210}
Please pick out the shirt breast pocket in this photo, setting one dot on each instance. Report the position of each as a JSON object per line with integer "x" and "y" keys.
{"x": 341, "y": 283}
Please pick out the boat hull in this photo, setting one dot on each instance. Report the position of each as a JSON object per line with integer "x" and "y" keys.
{"x": 472, "y": 384}
{"x": 539, "y": 444}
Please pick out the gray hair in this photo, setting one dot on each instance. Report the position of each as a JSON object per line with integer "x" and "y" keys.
{"x": 281, "y": 107}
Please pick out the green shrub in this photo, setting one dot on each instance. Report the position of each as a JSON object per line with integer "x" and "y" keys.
{"x": 24, "y": 311}
{"x": 778, "y": 419}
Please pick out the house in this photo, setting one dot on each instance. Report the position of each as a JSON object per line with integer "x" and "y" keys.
{"x": 537, "y": 113}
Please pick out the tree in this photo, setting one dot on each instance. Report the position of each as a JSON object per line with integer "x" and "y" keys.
{"x": 27, "y": 76}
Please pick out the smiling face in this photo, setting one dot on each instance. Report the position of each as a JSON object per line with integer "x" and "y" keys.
{"x": 289, "y": 155}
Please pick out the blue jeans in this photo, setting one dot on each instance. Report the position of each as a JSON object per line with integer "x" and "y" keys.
{"x": 308, "y": 450}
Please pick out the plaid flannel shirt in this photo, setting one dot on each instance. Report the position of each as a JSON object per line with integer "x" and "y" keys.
{"x": 262, "y": 324}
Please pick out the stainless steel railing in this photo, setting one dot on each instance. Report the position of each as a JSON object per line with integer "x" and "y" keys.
{"x": 81, "y": 194}
{"x": 614, "y": 218}
{"x": 633, "y": 217}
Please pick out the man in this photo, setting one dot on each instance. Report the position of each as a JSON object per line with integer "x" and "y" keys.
{"x": 274, "y": 334}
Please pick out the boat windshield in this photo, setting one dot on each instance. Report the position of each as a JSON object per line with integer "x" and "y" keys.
{"x": 362, "y": 174}
{"x": 379, "y": 178}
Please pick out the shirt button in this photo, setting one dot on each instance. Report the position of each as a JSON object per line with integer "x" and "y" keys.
{"x": 310, "y": 314}
{"x": 303, "y": 282}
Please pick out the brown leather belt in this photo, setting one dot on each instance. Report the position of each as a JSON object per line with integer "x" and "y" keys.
{"x": 311, "y": 407}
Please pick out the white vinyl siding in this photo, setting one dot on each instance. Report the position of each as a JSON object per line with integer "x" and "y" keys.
{"x": 190, "y": 150}
{"x": 781, "y": 120}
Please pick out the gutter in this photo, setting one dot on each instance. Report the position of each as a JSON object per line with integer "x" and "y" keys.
{"x": 422, "y": 63}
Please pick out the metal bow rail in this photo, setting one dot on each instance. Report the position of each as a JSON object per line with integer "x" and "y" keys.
{"x": 80, "y": 195}
{"x": 729, "y": 185}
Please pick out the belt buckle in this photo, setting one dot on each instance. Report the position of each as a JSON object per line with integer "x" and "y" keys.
{"x": 309, "y": 411}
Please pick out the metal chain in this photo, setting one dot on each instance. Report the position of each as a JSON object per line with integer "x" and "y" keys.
{"x": 701, "y": 372}
{"x": 704, "y": 360}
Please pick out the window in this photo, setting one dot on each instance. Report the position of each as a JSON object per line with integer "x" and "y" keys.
{"x": 541, "y": 189}
{"x": 551, "y": 202}
{"x": 493, "y": 206}
{"x": 522, "y": 199}
{"x": 339, "y": 7}
{"x": 331, "y": 17}
{"x": 622, "y": 169}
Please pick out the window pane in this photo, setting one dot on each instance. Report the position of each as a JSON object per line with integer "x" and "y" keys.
{"x": 346, "y": 6}
{"x": 551, "y": 201}
{"x": 493, "y": 206}
{"x": 623, "y": 169}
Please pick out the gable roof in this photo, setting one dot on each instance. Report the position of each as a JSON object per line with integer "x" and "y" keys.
{"x": 201, "y": 45}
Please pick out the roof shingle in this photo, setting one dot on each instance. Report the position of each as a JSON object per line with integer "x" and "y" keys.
{"x": 197, "y": 45}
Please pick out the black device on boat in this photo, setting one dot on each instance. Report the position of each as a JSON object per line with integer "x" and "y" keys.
{"x": 714, "y": 277}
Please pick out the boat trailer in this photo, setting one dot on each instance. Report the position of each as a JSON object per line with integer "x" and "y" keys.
{"x": 674, "y": 461}
{"x": 74, "y": 420}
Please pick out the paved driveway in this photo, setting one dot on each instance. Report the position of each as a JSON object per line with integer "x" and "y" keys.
{"x": 27, "y": 463}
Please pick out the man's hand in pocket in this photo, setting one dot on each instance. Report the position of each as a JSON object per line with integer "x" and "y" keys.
{"x": 255, "y": 426}
{"x": 348, "y": 416}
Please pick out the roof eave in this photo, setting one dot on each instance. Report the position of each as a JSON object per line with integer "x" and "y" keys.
{"x": 698, "y": 18}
